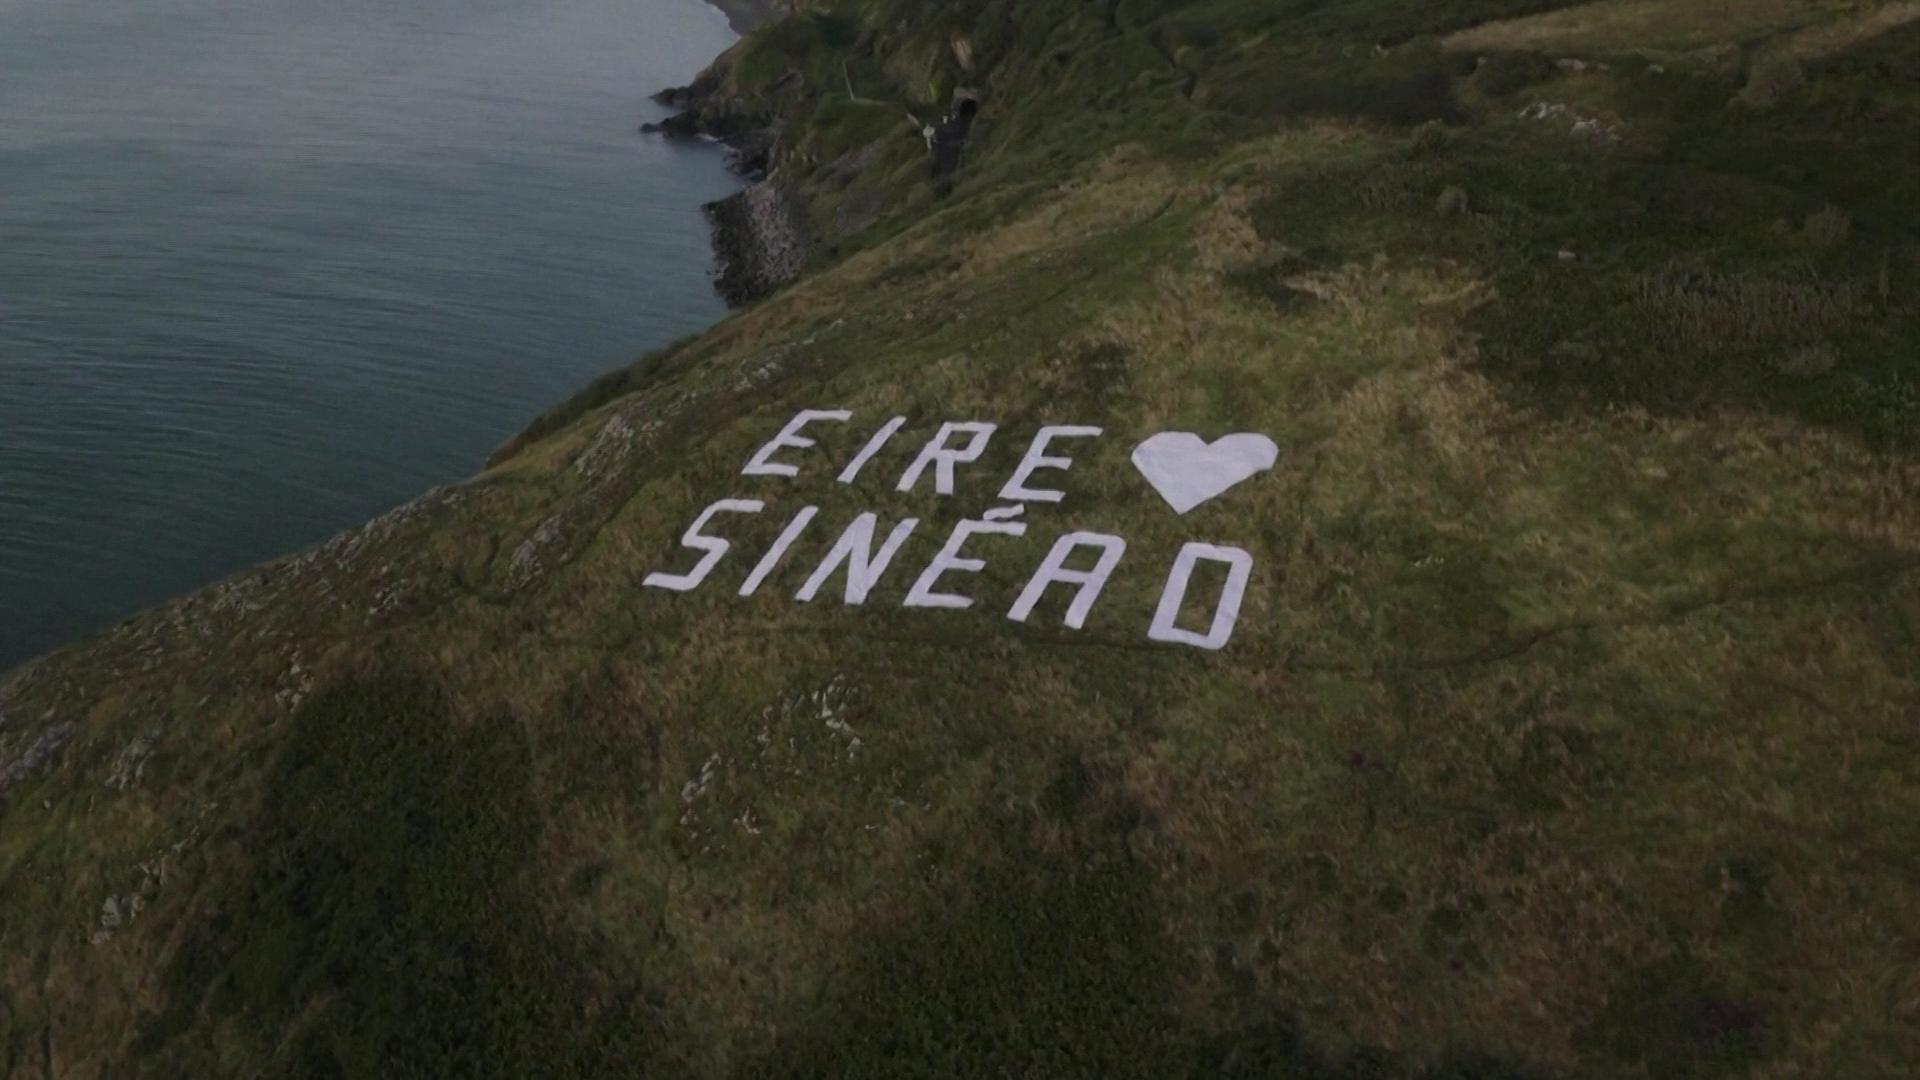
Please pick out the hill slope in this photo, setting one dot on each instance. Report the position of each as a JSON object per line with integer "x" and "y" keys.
{"x": 1565, "y": 726}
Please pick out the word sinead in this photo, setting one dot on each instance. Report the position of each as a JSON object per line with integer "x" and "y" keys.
{"x": 862, "y": 554}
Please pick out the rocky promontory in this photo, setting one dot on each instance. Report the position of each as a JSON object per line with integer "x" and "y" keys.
{"x": 747, "y": 15}
{"x": 761, "y": 238}
{"x": 1300, "y": 558}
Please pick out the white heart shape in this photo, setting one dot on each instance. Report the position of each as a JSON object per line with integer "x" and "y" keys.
{"x": 1187, "y": 470}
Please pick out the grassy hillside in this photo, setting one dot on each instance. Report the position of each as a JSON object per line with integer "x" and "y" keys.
{"x": 1567, "y": 728}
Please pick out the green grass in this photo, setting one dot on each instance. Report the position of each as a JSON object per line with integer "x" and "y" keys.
{"x": 1567, "y": 731}
{"x": 388, "y": 921}
{"x": 1689, "y": 282}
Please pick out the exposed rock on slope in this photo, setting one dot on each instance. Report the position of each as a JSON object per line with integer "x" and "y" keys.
{"x": 749, "y": 15}
{"x": 761, "y": 240}
{"x": 761, "y": 236}
{"x": 747, "y": 717}
{"x": 707, "y": 108}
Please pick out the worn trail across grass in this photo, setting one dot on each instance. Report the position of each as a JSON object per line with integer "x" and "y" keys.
{"x": 1567, "y": 728}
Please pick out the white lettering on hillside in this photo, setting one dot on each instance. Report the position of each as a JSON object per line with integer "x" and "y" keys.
{"x": 715, "y": 548}
{"x": 1036, "y": 459}
{"x": 790, "y": 439}
{"x": 1185, "y": 469}
{"x": 951, "y": 561}
{"x": 1053, "y": 571}
{"x": 943, "y": 457}
{"x": 855, "y": 549}
{"x": 874, "y": 445}
{"x": 778, "y": 551}
{"x": 1226, "y": 610}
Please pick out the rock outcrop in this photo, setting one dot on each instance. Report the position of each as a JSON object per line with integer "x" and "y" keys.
{"x": 947, "y": 140}
{"x": 761, "y": 235}
{"x": 761, "y": 240}
{"x": 1554, "y": 714}
{"x": 705, "y": 109}
{"x": 747, "y": 15}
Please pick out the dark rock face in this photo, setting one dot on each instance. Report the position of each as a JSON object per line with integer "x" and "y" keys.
{"x": 38, "y": 753}
{"x": 707, "y": 111}
{"x": 677, "y": 126}
{"x": 746, "y": 15}
{"x": 949, "y": 140}
{"x": 702, "y": 87}
{"x": 761, "y": 240}
{"x": 761, "y": 236}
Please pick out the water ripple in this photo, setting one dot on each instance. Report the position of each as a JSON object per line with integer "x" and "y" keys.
{"x": 268, "y": 269}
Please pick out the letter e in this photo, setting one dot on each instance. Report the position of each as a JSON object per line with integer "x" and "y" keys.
{"x": 790, "y": 438}
{"x": 949, "y": 559}
{"x": 1036, "y": 459}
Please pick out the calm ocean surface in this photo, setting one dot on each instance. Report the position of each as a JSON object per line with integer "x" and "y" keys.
{"x": 270, "y": 268}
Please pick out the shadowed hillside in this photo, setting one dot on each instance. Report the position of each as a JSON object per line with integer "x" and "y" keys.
{"x": 1565, "y": 729}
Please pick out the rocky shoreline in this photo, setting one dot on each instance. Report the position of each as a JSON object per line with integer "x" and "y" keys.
{"x": 761, "y": 236}
{"x": 746, "y": 15}
{"x": 764, "y": 236}
{"x": 761, "y": 241}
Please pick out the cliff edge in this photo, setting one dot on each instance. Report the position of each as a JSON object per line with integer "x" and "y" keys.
{"x": 747, "y": 16}
{"x": 1347, "y": 539}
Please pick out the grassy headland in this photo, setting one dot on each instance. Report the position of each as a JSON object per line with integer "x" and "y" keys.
{"x": 1567, "y": 730}
{"x": 749, "y": 15}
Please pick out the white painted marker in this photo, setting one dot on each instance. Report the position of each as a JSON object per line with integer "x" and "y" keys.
{"x": 1225, "y": 613}
{"x": 771, "y": 561}
{"x": 943, "y": 458}
{"x": 790, "y": 439}
{"x": 1187, "y": 470}
{"x": 949, "y": 560}
{"x": 880, "y": 439}
{"x": 714, "y": 547}
{"x": 1053, "y": 570}
{"x": 855, "y": 548}
{"x": 1036, "y": 459}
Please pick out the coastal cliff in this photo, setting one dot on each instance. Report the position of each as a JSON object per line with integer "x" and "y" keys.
{"x": 761, "y": 240}
{"x": 1328, "y": 540}
{"x": 762, "y": 236}
{"x": 747, "y": 16}
{"x": 823, "y": 181}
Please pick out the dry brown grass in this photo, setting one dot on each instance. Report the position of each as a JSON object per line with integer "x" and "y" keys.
{"x": 1828, "y": 227}
{"x": 1774, "y": 78}
{"x": 1831, "y": 39}
{"x": 1716, "y": 312}
{"x": 1618, "y": 25}
{"x": 1516, "y": 696}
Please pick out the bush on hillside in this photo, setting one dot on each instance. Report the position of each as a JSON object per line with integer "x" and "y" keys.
{"x": 1809, "y": 362}
{"x": 1502, "y": 75}
{"x": 1722, "y": 313}
{"x": 1428, "y": 139}
{"x": 1773, "y": 80}
{"x": 1828, "y": 227}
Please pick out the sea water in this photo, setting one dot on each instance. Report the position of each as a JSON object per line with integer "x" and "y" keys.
{"x": 270, "y": 268}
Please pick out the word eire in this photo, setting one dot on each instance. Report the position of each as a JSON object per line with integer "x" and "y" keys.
{"x": 1182, "y": 467}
